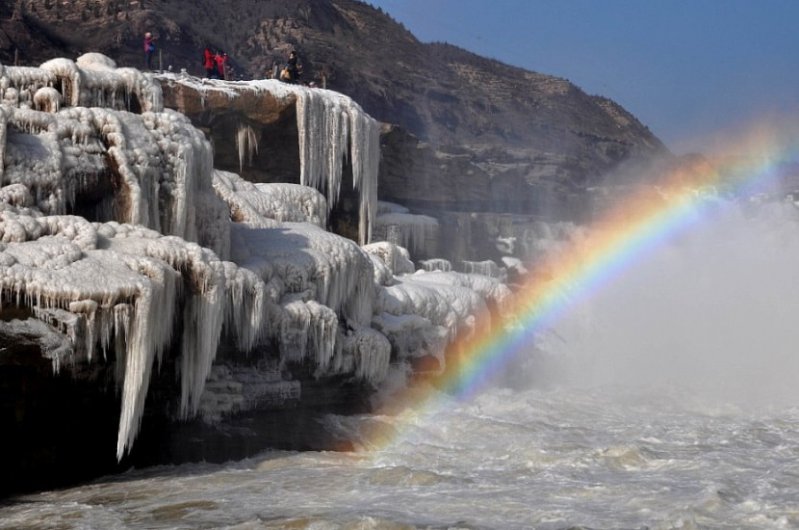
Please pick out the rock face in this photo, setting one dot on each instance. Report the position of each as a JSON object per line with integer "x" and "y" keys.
{"x": 470, "y": 132}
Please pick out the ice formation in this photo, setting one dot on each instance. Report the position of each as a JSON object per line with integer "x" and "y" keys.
{"x": 117, "y": 287}
{"x": 418, "y": 233}
{"x": 280, "y": 202}
{"x": 436, "y": 264}
{"x": 293, "y": 202}
{"x": 162, "y": 256}
{"x": 246, "y": 144}
{"x": 394, "y": 257}
{"x": 370, "y": 353}
{"x": 161, "y": 165}
{"x": 486, "y": 268}
{"x": 492, "y": 290}
{"x": 443, "y": 304}
{"x": 421, "y": 318}
{"x": 91, "y": 81}
{"x": 327, "y": 123}
{"x": 318, "y": 283}
{"x": 331, "y": 127}
{"x": 302, "y": 259}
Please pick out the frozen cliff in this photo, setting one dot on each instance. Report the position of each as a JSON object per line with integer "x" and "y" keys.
{"x": 121, "y": 248}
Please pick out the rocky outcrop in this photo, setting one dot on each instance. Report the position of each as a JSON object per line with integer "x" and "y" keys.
{"x": 489, "y": 127}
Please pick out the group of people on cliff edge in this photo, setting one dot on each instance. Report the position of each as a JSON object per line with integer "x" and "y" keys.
{"x": 215, "y": 63}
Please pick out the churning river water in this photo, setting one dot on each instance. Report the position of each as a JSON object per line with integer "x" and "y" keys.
{"x": 666, "y": 401}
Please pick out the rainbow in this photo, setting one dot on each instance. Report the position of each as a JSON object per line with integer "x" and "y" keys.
{"x": 617, "y": 240}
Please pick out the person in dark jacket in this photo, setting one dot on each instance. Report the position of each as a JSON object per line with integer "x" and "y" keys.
{"x": 293, "y": 70}
{"x": 209, "y": 63}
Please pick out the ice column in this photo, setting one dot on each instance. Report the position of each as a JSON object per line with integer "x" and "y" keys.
{"x": 327, "y": 123}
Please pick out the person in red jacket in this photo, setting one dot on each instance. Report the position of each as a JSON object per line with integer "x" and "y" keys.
{"x": 221, "y": 64}
{"x": 209, "y": 63}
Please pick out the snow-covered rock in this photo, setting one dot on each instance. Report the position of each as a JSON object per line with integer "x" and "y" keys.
{"x": 394, "y": 257}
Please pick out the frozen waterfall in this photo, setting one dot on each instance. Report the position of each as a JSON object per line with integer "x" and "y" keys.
{"x": 331, "y": 127}
{"x": 120, "y": 244}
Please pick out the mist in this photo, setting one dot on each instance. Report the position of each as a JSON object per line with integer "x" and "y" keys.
{"x": 711, "y": 313}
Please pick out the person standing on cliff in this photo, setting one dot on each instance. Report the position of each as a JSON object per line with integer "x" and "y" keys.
{"x": 149, "y": 50}
{"x": 209, "y": 63}
{"x": 221, "y": 64}
{"x": 293, "y": 70}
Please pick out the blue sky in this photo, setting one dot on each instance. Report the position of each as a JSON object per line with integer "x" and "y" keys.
{"x": 689, "y": 69}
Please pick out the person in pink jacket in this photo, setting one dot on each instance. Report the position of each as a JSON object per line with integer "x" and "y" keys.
{"x": 149, "y": 50}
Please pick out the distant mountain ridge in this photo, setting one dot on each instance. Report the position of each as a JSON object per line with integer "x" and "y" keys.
{"x": 539, "y": 131}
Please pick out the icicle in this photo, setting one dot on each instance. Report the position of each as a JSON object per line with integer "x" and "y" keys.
{"x": 247, "y": 145}
{"x": 188, "y": 157}
{"x": 307, "y": 329}
{"x": 203, "y": 316}
{"x": 365, "y": 142}
{"x": 371, "y": 351}
{"x": 322, "y": 141}
{"x": 220, "y": 294}
{"x": 148, "y": 333}
{"x": 328, "y": 124}
{"x": 245, "y": 305}
{"x": 418, "y": 233}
